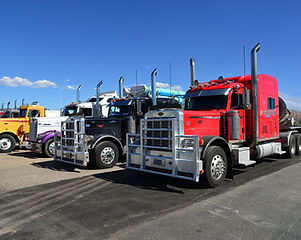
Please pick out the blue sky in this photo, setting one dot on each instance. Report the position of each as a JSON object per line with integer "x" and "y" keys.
{"x": 50, "y": 44}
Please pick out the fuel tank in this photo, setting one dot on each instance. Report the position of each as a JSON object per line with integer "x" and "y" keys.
{"x": 289, "y": 111}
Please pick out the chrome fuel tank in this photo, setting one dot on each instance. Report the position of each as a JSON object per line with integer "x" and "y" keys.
{"x": 289, "y": 111}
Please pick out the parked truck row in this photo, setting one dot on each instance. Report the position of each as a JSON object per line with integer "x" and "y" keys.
{"x": 198, "y": 135}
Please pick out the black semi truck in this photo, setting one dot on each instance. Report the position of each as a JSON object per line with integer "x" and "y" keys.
{"x": 100, "y": 141}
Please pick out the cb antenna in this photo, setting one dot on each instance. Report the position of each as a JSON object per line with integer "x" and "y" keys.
{"x": 170, "y": 76}
{"x": 244, "y": 56}
{"x": 136, "y": 77}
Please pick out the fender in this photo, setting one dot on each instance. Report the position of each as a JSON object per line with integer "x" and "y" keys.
{"x": 18, "y": 139}
{"x": 221, "y": 142}
{"x": 45, "y": 138}
{"x": 108, "y": 137}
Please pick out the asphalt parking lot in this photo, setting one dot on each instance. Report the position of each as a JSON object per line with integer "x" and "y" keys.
{"x": 63, "y": 202}
{"x": 23, "y": 168}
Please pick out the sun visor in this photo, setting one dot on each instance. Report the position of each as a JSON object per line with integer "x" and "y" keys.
{"x": 211, "y": 92}
{"x": 124, "y": 102}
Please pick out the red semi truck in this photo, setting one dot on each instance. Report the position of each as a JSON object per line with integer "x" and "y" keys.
{"x": 225, "y": 122}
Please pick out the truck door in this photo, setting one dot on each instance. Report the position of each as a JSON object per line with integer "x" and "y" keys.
{"x": 237, "y": 105}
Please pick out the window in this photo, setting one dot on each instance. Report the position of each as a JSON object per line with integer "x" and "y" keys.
{"x": 70, "y": 111}
{"x": 34, "y": 113}
{"x": 119, "y": 110}
{"x": 23, "y": 113}
{"x": 271, "y": 103}
{"x": 237, "y": 102}
{"x": 206, "y": 102}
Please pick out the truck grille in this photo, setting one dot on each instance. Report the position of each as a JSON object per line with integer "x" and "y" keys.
{"x": 33, "y": 133}
{"x": 158, "y": 133}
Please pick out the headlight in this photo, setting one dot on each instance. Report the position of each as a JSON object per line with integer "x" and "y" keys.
{"x": 90, "y": 138}
{"x": 187, "y": 143}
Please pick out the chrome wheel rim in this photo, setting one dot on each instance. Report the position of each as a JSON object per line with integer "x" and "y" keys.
{"x": 218, "y": 167}
{"x": 5, "y": 144}
{"x": 51, "y": 148}
{"x": 107, "y": 155}
{"x": 293, "y": 149}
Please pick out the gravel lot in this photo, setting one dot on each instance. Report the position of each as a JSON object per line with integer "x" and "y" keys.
{"x": 23, "y": 168}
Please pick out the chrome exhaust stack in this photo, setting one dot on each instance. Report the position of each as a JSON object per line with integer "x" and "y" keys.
{"x": 98, "y": 110}
{"x": 192, "y": 71}
{"x": 255, "y": 93}
{"x": 23, "y": 101}
{"x": 153, "y": 85}
{"x": 2, "y": 106}
{"x": 78, "y": 93}
{"x": 121, "y": 79}
{"x": 8, "y": 105}
{"x": 16, "y": 104}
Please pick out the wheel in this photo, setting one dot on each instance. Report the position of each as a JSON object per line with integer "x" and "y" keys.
{"x": 105, "y": 155}
{"x": 7, "y": 143}
{"x": 291, "y": 149}
{"x": 215, "y": 166}
{"x": 298, "y": 143}
{"x": 28, "y": 145}
{"x": 49, "y": 148}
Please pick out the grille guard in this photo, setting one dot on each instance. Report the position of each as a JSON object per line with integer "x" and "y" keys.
{"x": 72, "y": 145}
{"x": 175, "y": 161}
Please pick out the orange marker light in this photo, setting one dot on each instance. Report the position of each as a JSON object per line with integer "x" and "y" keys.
{"x": 201, "y": 141}
{"x": 202, "y": 171}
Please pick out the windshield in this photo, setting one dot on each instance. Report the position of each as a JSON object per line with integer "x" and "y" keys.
{"x": 119, "y": 110}
{"x": 22, "y": 113}
{"x": 70, "y": 111}
{"x": 206, "y": 102}
{"x": 6, "y": 114}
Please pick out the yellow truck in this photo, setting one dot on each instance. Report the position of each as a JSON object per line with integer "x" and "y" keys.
{"x": 13, "y": 130}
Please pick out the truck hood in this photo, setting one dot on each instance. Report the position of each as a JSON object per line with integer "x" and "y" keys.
{"x": 3, "y": 120}
{"x": 202, "y": 123}
{"x": 104, "y": 126}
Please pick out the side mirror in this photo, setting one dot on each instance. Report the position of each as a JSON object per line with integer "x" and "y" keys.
{"x": 246, "y": 99}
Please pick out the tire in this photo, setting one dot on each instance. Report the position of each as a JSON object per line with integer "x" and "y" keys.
{"x": 215, "y": 166}
{"x": 49, "y": 148}
{"x": 7, "y": 143}
{"x": 291, "y": 149}
{"x": 105, "y": 155}
{"x": 298, "y": 143}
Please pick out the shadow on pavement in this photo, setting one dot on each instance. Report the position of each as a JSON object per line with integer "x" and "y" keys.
{"x": 25, "y": 154}
{"x": 149, "y": 181}
{"x": 56, "y": 166}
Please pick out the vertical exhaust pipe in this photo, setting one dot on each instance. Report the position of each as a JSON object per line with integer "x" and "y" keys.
{"x": 2, "y": 106}
{"x": 8, "y": 105}
{"x": 121, "y": 79}
{"x": 153, "y": 85}
{"x": 23, "y": 101}
{"x": 16, "y": 104}
{"x": 98, "y": 110}
{"x": 192, "y": 71}
{"x": 78, "y": 93}
{"x": 255, "y": 93}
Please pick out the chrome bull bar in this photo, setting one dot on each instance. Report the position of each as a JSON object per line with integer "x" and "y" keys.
{"x": 71, "y": 146}
{"x": 178, "y": 159}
